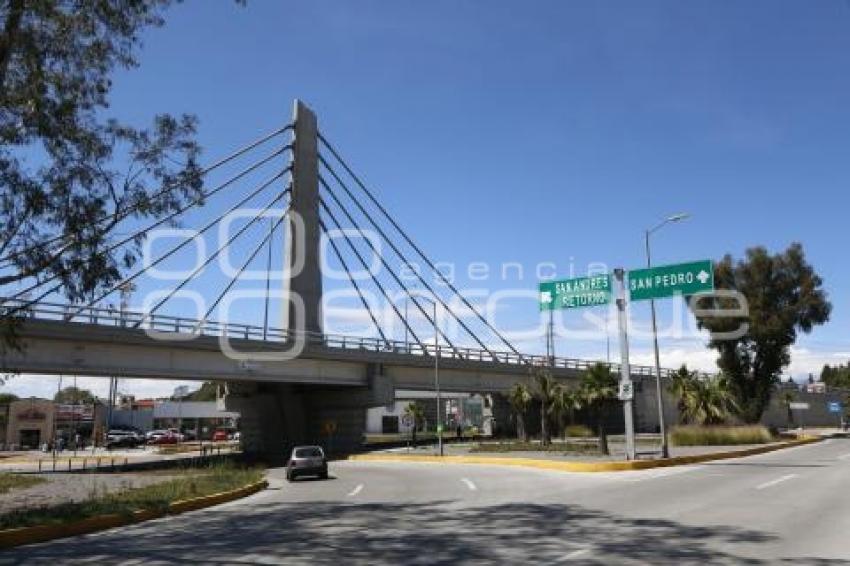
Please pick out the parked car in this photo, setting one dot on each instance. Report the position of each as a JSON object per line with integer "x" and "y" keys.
{"x": 307, "y": 461}
{"x": 167, "y": 438}
{"x": 219, "y": 435}
{"x": 121, "y": 438}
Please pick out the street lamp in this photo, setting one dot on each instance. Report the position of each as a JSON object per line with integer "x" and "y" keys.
{"x": 665, "y": 450}
{"x": 436, "y": 370}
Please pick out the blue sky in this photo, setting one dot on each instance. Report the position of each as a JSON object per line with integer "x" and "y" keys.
{"x": 554, "y": 131}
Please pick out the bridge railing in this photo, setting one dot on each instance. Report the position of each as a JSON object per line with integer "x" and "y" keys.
{"x": 183, "y": 325}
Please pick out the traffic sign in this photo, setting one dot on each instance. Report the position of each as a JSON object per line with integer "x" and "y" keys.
{"x": 575, "y": 293}
{"x": 626, "y": 391}
{"x": 834, "y": 406}
{"x": 798, "y": 406}
{"x": 670, "y": 280}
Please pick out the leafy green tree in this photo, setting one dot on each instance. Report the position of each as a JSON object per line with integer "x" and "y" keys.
{"x": 520, "y": 398}
{"x": 598, "y": 389}
{"x": 58, "y": 211}
{"x": 416, "y": 413}
{"x": 837, "y": 376}
{"x": 6, "y": 398}
{"x": 207, "y": 392}
{"x": 784, "y": 296}
{"x": 547, "y": 390}
{"x": 75, "y": 395}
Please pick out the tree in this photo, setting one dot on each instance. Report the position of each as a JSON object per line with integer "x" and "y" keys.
{"x": 520, "y": 398}
{"x": 416, "y": 413}
{"x": 207, "y": 392}
{"x": 68, "y": 174}
{"x": 599, "y": 394}
{"x": 6, "y": 398}
{"x": 702, "y": 400}
{"x": 787, "y": 399}
{"x": 75, "y": 395}
{"x": 566, "y": 402}
{"x": 784, "y": 297}
{"x": 836, "y": 377}
{"x": 547, "y": 391}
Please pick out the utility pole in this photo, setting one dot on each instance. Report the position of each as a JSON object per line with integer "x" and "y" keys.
{"x": 626, "y": 387}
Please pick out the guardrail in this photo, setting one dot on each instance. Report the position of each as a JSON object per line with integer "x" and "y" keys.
{"x": 181, "y": 325}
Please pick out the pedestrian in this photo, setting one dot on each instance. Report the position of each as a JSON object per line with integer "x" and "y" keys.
{"x": 459, "y": 431}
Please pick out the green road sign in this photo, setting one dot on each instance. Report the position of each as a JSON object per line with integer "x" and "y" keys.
{"x": 670, "y": 280}
{"x": 575, "y": 293}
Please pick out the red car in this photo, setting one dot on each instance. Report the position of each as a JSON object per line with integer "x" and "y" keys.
{"x": 165, "y": 439}
{"x": 219, "y": 436}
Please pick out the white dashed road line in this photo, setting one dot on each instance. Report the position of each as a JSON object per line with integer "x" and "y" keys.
{"x": 356, "y": 490}
{"x": 469, "y": 484}
{"x": 844, "y": 457}
{"x": 771, "y": 483}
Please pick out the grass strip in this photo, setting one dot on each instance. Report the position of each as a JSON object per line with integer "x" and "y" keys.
{"x": 156, "y": 497}
{"x": 17, "y": 481}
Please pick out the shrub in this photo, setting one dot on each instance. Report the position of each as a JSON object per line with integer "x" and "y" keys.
{"x": 578, "y": 431}
{"x": 696, "y": 435}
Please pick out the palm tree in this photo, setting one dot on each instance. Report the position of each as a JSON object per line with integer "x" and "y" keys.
{"x": 567, "y": 402}
{"x": 599, "y": 393}
{"x": 520, "y": 399}
{"x": 547, "y": 391}
{"x": 703, "y": 400}
{"x": 416, "y": 413}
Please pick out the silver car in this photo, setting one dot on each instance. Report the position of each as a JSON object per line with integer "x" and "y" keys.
{"x": 307, "y": 461}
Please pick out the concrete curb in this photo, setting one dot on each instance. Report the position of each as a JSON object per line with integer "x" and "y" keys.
{"x": 42, "y": 533}
{"x": 583, "y": 466}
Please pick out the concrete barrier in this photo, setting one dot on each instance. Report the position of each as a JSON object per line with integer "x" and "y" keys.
{"x": 42, "y": 533}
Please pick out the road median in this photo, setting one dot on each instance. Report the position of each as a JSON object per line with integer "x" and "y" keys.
{"x": 10, "y": 538}
{"x": 563, "y": 466}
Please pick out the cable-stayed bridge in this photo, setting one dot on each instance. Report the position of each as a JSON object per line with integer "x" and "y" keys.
{"x": 285, "y": 378}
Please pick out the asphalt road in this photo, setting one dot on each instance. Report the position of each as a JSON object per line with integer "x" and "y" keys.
{"x": 790, "y": 506}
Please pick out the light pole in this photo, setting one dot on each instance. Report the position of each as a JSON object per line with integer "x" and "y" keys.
{"x": 665, "y": 450}
{"x": 436, "y": 371}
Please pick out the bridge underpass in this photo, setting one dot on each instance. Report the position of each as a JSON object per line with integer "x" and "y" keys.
{"x": 329, "y": 377}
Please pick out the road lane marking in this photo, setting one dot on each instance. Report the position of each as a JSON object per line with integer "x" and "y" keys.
{"x": 573, "y": 554}
{"x": 356, "y": 490}
{"x": 663, "y": 473}
{"x": 844, "y": 457}
{"x": 771, "y": 483}
{"x": 469, "y": 483}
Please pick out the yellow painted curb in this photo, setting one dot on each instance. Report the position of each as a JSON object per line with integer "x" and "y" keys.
{"x": 42, "y": 533}
{"x": 583, "y": 466}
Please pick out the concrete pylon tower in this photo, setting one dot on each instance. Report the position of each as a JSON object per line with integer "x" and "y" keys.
{"x": 302, "y": 284}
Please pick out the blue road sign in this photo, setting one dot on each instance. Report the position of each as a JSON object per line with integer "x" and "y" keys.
{"x": 834, "y": 406}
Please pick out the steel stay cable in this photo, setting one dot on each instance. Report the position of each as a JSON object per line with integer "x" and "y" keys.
{"x": 184, "y": 243}
{"x": 384, "y": 262}
{"x": 410, "y": 241}
{"x": 401, "y": 255}
{"x": 244, "y": 265}
{"x": 366, "y": 267}
{"x": 354, "y": 282}
{"x": 165, "y": 189}
{"x": 210, "y": 258}
{"x": 159, "y": 222}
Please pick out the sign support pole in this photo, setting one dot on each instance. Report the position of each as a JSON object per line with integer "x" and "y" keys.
{"x": 625, "y": 372}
